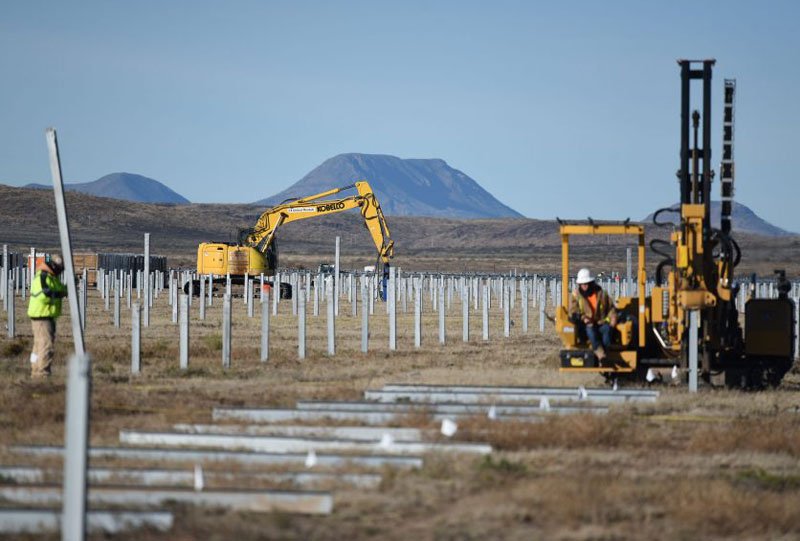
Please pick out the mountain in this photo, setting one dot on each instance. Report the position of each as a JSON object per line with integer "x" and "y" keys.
{"x": 125, "y": 186}
{"x": 743, "y": 220}
{"x": 403, "y": 187}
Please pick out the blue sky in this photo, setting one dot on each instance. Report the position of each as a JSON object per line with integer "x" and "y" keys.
{"x": 567, "y": 109}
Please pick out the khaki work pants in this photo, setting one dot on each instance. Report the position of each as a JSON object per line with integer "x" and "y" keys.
{"x": 44, "y": 337}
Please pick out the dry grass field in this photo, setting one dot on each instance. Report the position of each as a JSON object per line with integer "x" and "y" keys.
{"x": 716, "y": 465}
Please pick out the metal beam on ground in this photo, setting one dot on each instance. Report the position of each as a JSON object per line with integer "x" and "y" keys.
{"x": 483, "y": 397}
{"x": 36, "y": 521}
{"x": 363, "y": 433}
{"x": 242, "y": 457}
{"x": 317, "y": 503}
{"x": 186, "y": 477}
{"x": 566, "y": 391}
{"x": 447, "y": 407}
{"x": 284, "y": 444}
{"x": 383, "y": 416}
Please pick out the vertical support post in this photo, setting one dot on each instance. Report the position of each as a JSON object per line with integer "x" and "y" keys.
{"x": 329, "y": 297}
{"x": 4, "y": 277}
{"x": 441, "y": 300}
{"x": 11, "y": 313}
{"x": 211, "y": 289}
{"x": 506, "y": 310}
{"x": 418, "y": 315}
{"x": 82, "y": 299}
{"x": 226, "y": 332}
{"x": 76, "y": 423}
{"x": 76, "y": 428}
{"x": 336, "y": 279}
{"x": 693, "y": 351}
{"x": 542, "y": 302}
{"x": 301, "y": 323}
{"x": 276, "y": 292}
{"x": 364, "y": 317}
{"x": 106, "y": 290}
{"x": 317, "y": 283}
{"x": 373, "y": 281}
{"x": 294, "y": 281}
{"x": 629, "y": 270}
{"x": 249, "y": 299}
{"x": 796, "y": 327}
{"x": 353, "y": 295}
{"x": 265, "y": 328}
{"x": 485, "y": 307}
{"x": 465, "y": 312}
{"x": 202, "y": 298}
{"x": 146, "y": 277}
{"x": 184, "y": 332}
{"x": 175, "y": 294}
{"x": 136, "y": 339}
{"x": 116, "y": 304}
{"x": 391, "y": 300}
{"x": 524, "y": 300}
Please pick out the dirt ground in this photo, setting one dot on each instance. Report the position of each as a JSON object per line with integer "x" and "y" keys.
{"x": 715, "y": 465}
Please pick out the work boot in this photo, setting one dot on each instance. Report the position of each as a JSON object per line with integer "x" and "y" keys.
{"x": 600, "y": 353}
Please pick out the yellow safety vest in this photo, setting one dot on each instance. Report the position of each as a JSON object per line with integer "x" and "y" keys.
{"x": 46, "y": 294}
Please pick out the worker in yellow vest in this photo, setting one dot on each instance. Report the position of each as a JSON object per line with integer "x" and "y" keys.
{"x": 43, "y": 309}
{"x": 593, "y": 313}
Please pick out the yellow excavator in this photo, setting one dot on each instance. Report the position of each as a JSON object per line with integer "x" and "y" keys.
{"x": 691, "y": 311}
{"x": 256, "y": 252}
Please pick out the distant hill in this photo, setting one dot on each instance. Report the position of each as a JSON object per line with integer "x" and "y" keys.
{"x": 744, "y": 220}
{"x": 421, "y": 244}
{"x": 403, "y": 187}
{"x": 125, "y": 186}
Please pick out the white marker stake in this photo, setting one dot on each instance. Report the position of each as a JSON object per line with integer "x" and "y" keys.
{"x": 198, "y": 470}
{"x": 449, "y": 428}
{"x": 311, "y": 459}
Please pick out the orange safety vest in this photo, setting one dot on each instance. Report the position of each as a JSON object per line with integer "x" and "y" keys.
{"x": 598, "y": 311}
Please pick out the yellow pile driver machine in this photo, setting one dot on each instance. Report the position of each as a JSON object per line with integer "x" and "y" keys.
{"x": 693, "y": 300}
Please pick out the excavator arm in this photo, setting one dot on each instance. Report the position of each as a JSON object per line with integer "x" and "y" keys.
{"x": 263, "y": 234}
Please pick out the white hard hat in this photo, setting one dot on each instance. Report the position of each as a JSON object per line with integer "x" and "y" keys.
{"x": 584, "y": 276}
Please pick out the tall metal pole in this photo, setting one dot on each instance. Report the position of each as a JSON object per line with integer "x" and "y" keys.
{"x": 392, "y": 305}
{"x": 76, "y": 425}
{"x": 146, "y": 279}
{"x": 265, "y": 327}
{"x": 693, "y": 351}
{"x": 336, "y": 279}
{"x": 301, "y": 324}
{"x": 226, "y": 331}
{"x": 136, "y": 339}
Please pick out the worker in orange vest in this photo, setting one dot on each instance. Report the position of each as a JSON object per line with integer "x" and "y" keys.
{"x": 593, "y": 312}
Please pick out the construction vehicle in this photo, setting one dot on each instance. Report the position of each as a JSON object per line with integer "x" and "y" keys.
{"x": 690, "y": 317}
{"x": 256, "y": 252}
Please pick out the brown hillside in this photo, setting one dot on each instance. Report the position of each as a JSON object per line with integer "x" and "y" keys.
{"x": 27, "y": 218}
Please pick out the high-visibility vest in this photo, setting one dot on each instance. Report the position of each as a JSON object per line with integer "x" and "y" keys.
{"x": 46, "y": 294}
{"x": 602, "y": 305}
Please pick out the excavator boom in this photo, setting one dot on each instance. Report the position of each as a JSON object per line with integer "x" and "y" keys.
{"x": 262, "y": 235}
